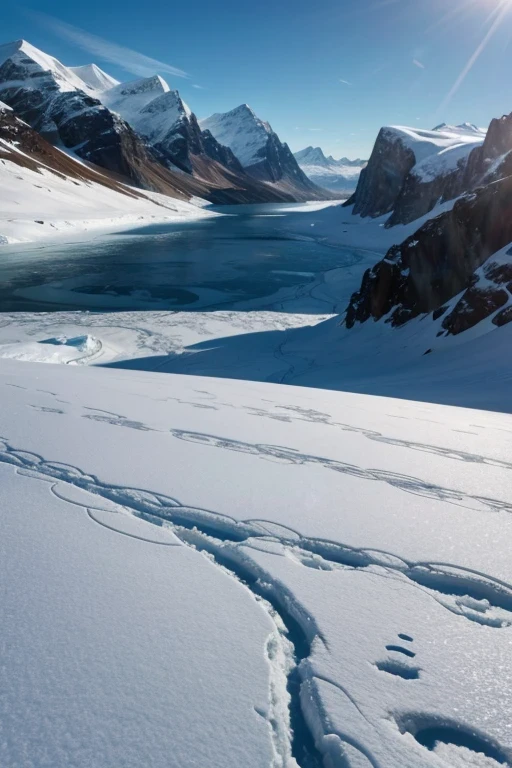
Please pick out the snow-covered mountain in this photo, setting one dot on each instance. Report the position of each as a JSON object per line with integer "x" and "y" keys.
{"x": 411, "y": 170}
{"x": 464, "y": 128}
{"x": 338, "y": 175}
{"x": 169, "y": 126}
{"x": 316, "y": 156}
{"x": 94, "y": 77}
{"x": 260, "y": 151}
{"x": 142, "y": 130}
{"x": 63, "y": 109}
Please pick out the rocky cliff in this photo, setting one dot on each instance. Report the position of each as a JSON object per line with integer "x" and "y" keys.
{"x": 440, "y": 261}
{"x": 410, "y": 171}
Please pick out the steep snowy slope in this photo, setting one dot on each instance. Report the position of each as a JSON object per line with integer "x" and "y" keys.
{"x": 145, "y": 518}
{"x": 260, "y": 151}
{"x": 28, "y": 62}
{"x": 243, "y": 131}
{"x": 339, "y": 175}
{"x": 128, "y": 99}
{"x": 44, "y": 191}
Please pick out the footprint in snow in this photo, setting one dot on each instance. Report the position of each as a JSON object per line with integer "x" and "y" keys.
{"x": 397, "y": 663}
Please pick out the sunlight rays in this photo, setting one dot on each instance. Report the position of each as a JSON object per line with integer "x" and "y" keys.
{"x": 498, "y": 14}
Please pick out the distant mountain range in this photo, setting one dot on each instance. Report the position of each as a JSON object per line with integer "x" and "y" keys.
{"x": 338, "y": 175}
{"x": 143, "y": 133}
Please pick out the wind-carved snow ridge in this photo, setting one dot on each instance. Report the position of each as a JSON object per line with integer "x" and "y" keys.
{"x": 294, "y": 710}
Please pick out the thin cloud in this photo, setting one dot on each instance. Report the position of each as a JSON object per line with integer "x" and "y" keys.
{"x": 345, "y": 82}
{"x": 128, "y": 59}
{"x": 315, "y": 129}
{"x": 418, "y": 64}
{"x": 200, "y": 87}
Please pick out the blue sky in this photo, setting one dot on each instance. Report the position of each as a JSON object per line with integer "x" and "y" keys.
{"x": 328, "y": 73}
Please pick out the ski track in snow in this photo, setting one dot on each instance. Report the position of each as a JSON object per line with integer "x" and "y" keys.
{"x": 469, "y": 594}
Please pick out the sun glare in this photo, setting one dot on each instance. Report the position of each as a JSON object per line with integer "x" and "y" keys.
{"x": 495, "y": 19}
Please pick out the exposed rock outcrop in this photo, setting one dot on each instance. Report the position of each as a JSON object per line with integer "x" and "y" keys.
{"x": 491, "y": 291}
{"x": 440, "y": 260}
{"x": 383, "y": 178}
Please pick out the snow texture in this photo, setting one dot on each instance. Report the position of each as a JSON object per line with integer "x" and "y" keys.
{"x": 355, "y": 551}
{"x": 437, "y": 152}
{"x": 39, "y": 204}
{"x": 94, "y": 77}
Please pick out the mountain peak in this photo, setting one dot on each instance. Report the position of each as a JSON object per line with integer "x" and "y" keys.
{"x": 311, "y": 156}
{"x": 29, "y": 60}
{"x": 154, "y": 85}
{"x": 242, "y": 131}
{"x": 242, "y": 109}
{"x": 467, "y": 128}
{"x": 94, "y": 77}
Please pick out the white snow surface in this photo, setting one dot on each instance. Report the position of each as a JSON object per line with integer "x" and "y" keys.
{"x": 381, "y": 526}
{"x": 470, "y": 128}
{"x": 240, "y": 130}
{"x": 41, "y": 204}
{"x": 94, "y": 77}
{"x": 437, "y": 152}
{"x": 129, "y": 98}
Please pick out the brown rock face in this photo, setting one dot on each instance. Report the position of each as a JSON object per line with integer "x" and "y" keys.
{"x": 381, "y": 181}
{"x": 474, "y": 306}
{"x": 439, "y": 260}
{"x": 503, "y": 317}
{"x": 418, "y": 197}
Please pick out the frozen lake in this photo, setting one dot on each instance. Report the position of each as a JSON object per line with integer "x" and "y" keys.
{"x": 207, "y": 264}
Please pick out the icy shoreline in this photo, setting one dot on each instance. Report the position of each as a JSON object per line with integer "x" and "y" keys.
{"x": 20, "y": 231}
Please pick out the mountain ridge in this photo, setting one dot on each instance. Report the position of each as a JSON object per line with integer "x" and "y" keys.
{"x": 121, "y": 135}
